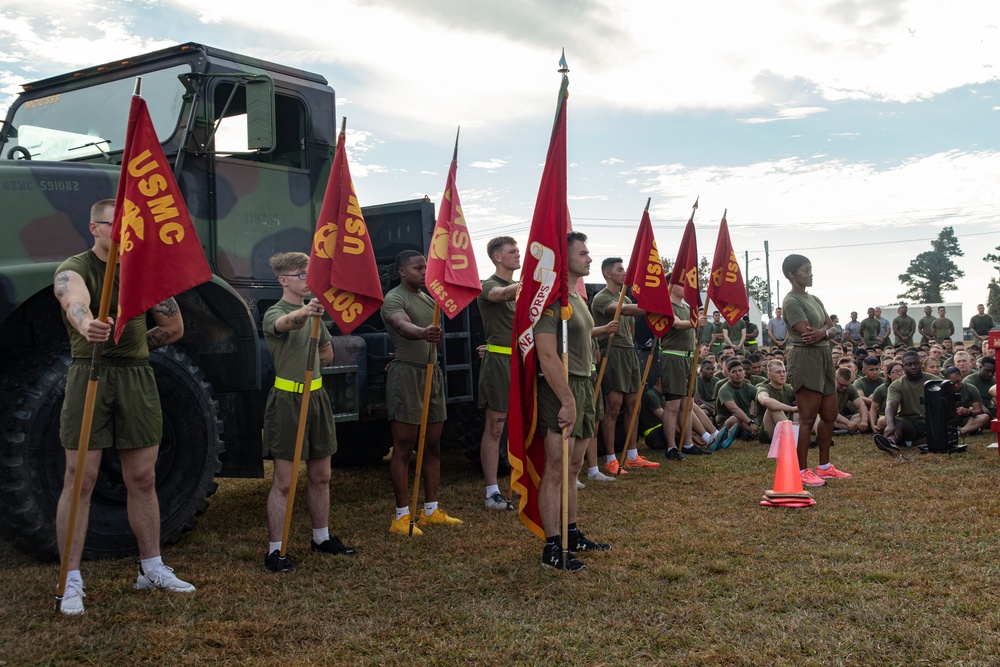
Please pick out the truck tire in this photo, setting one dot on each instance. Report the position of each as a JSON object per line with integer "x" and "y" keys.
{"x": 32, "y": 463}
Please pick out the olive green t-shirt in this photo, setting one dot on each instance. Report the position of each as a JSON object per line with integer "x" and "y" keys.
{"x": 743, "y": 396}
{"x": 706, "y": 388}
{"x": 865, "y": 386}
{"x": 846, "y": 398}
{"x": 966, "y": 394}
{"x": 926, "y": 325}
{"x": 132, "y": 344}
{"x": 879, "y": 397}
{"x": 289, "y": 349}
{"x": 981, "y": 385}
{"x": 497, "y": 316}
{"x": 797, "y": 308}
{"x": 906, "y": 327}
{"x": 942, "y": 328}
{"x": 682, "y": 340}
{"x": 981, "y": 324}
{"x": 580, "y": 326}
{"x": 909, "y": 392}
{"x": 735, "y": 331}
{"x": 419, "y": 307}
{"x": 651, "y": 402}
{"x": 598, "y": 308}
{"x": 869, "y": 329}
{"x": 784, "y": 395}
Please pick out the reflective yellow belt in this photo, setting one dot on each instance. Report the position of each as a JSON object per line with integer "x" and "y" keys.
{"x": 297, "y": 387}
{"x": 498, "y": 349}
{"x": 651, "y": 429}
{"x": 677, "y": 352}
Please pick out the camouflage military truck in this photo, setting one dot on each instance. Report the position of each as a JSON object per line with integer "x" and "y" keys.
{"x": 251, "y": 145}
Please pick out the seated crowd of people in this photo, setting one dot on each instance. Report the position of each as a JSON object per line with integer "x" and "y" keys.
{"x": 740, "y": 390}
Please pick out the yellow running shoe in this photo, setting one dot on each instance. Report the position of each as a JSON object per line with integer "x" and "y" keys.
{"x": 401, "y": 526}
{"x": 437, "y": 517}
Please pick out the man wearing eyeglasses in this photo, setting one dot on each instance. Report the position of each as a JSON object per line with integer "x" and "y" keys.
{"x": 287, "y": 338}
{"x": 126, "y": 413}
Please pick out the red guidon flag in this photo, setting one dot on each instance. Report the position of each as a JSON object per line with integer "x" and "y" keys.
{"x": 342, "y": 271}
{"x": 685, "y": 271}
{"x": 543, "y": 283}
{"x": 649, "y": 284}
{"x": 452, "y": 278}
{"x": 159, "y": 251}
{"x": 726, "y": 288}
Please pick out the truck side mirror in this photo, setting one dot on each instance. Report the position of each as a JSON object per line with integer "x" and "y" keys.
{"x": 260, "y": 114}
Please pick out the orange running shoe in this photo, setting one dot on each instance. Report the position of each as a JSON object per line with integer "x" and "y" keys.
{"x": 640, "y": 462}
{"x": 832, "y": 473}
{"x": 809, "y": 478}
{"x": 614, "y": 469}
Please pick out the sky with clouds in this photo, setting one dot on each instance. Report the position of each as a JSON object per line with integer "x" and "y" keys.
{"x": 850, "y": 131}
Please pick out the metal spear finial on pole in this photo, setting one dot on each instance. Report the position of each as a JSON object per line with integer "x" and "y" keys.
{"x": 563, "y": 67}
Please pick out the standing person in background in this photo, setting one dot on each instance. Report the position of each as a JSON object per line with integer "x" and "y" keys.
{"x": 777, "y": 330}
{"x": 852, "y": 330}
{"x": 981, "y": 324}
{"x": 885, "y": 328}
{"x": 810, "y": 368}
{"x": 496, "y": 307}
{"x": 870, "y": 327}
{"x": 942, "y": 327}
{"x": 903, "y": 327}
{"x": 924, "y": 326}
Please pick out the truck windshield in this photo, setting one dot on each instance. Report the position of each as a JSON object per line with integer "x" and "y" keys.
{"x": 76, "y": 124}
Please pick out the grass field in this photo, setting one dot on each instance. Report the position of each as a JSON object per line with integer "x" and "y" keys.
{"x": 895, "y": 567}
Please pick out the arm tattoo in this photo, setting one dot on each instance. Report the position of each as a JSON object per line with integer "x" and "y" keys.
{"x": 77, "y": 313}
{"x": 62, "y": 284}
{"x": 167, "y": 308}
{"x": 297, "y": 321}
{"x": 156, "y": 337}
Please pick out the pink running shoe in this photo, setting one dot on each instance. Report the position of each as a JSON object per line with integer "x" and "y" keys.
{"x": 832, "y": 473}
{"x": 809, "y": 478}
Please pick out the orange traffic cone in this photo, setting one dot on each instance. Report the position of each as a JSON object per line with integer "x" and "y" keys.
{"x": 787, "y": 491}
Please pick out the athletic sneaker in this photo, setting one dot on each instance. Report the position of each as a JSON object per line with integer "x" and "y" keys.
{"x": 401, "y": 526}
{"x": 72, "y": 599}
{"x": 496, "y": 501}
{"x": 832, "y": 473}
{"x": 577, "y": 542}
{"x": 614, "y": 469}
{"x": 885, "y": 444}
{"x": 162, "y": 577}
{"x": 809, "y": 478}
{"x": 695, "y": 450}
{"x": 580, "y": 485}
{"x": 733, "y": 432}
{"x": 334, "y": 546}
{"x": 600, "y": 477}
{"x": 437, "y": 518}
{"x": 674, "y": 454}
{"x": 719, "y": 439}
{"x": 552, "y": 558}
{"x": 640, "y": 462}
{"x": 992, "y": 445}
{"x": 275, "y": 562}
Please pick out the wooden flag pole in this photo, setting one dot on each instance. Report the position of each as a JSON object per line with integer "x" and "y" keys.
{"x": 695, "y": 362}
{"x": 301, "y": 433}
{"x": 566, "y": 431}
{"x": 424, "y": 409}
{"x": 88, "y": 417}
{"x": 638, "y": 404}
{"x": 611, "y": 337}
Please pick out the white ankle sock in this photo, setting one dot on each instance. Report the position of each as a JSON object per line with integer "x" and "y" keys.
{"x": 74, "y": 575}
{"x": 274, "y": 546}
{"x": 707, "y": 437}
{"x": 490, "y": 490}
{"x": 633, "y": 454}
{"x": 609, "y": 458}
{"x": 321, "y": 535}
{"x": 430, "y": 508}
{"x": 592, "y": 471}
{"x": 825, "y": 466}
{"x": 401, "y": 512}
{"x": 149, "y": 564}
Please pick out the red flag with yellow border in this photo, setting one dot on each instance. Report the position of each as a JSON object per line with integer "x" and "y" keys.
{"x": 159, "y": 251}
{"x": 685, "y": 271}
{"x": 649, "y": 284}
{"x": 452, "y": 277}
{"x": 343, "y": 274}
{"x": 725, "y": 287}
{"x": 544, "y": 279}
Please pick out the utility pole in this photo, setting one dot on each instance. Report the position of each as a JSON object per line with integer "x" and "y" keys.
{"x": 767, "y": 265}
{"x": 746, "y": 272}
